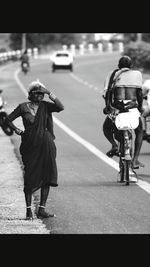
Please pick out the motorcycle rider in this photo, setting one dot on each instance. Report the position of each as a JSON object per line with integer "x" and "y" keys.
{"x": 146, "y": 113}
{"x": 127, "y": 89}
{"x": 1, "y": 99}
{"x": 25, "y": 59}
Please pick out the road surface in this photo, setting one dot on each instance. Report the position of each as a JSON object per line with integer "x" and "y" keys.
{"x": 88, "y": 199}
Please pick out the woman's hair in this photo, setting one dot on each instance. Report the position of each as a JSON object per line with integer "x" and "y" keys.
{"x": 30, "y": 96}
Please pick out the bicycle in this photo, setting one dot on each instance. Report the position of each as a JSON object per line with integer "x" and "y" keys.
{"x": 126, "y": 122}
{"x": 125, "y": 156}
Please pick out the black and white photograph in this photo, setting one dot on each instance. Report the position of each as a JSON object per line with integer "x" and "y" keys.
{"x": 74, "y": 134}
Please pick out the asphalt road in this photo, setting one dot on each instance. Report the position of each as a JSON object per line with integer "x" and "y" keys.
{"x": 88, "y": 200}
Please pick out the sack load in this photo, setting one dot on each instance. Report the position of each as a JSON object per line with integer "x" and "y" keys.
{"x": 128, "y": 120}
{"x": 132, "y": 78}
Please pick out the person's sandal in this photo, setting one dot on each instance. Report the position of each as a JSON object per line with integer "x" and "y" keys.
{"x": 112, "y": 152}
{"x": 146, "y": 136}
{"x": 137, "y": 165}
{"x": 42, "y": 214}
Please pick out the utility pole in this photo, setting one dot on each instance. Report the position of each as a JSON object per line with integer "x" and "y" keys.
{"x": 23, "y": 41}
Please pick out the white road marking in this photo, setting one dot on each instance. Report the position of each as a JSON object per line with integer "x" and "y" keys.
{"x": 91, "y": 86}
{"x": 19, "y": 83}
{"x": 142, "y": 184}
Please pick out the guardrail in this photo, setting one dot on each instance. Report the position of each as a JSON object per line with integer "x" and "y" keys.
{"x": 80, "y": 49}
{"x": 15, "y": 55}
{"x": 100, "y": 47}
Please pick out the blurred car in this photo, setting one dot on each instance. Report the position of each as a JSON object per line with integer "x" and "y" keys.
{"x": 62, "y": 60}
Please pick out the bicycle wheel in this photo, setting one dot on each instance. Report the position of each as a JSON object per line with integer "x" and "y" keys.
{"x": 121, "y": 159}
{"x": 126, "y": 171}
{"x": 6, "y": 128}
{"x": 122, "y": 170}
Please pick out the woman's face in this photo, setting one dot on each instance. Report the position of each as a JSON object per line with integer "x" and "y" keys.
{"x": 37, "y": 97}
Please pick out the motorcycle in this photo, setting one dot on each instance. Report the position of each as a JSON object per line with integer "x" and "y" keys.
{"x": 3, "y": 115}
{"x": 25, "y": 67}
{"x": 147, "y": 136}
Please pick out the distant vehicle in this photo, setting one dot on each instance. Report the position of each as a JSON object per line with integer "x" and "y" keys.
{"x": 25, "y": 67}
{"x": 62, "y": 60}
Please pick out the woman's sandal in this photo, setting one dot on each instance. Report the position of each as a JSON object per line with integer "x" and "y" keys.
{"x": 29, "y": 216}
{"x": 42, "y": 214}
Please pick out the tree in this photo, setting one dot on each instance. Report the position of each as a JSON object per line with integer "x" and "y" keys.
{"x": 130, "y": 37}
{"x": 43, "y": 39}
{"x": 15, "y": 40}
{"x": 146, "y": 37}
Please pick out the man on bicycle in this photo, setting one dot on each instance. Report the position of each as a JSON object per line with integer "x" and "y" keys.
{"x": 123, "y": 87}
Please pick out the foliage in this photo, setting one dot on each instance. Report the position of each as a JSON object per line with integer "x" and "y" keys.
{"x": 15, "y": 40}
{"x": 130, "y": 37}
{"x": 140, "y": 54}
{"x": 43, "y": 39}
{"x": 146, "y": 37}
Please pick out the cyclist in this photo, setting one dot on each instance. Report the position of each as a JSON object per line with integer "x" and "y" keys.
{"x": 146, "y": 113}
{"x": 127, "y": 90}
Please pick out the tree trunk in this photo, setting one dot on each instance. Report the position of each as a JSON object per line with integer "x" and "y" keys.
{"x": 23, "y": 41}
{"x": 139, "y": 37}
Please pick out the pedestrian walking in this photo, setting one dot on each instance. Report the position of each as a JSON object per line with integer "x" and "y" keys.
{"x": 37, "y": 148}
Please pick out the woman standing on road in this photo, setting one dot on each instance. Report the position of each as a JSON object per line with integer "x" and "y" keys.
{"x": 37, "y": 147}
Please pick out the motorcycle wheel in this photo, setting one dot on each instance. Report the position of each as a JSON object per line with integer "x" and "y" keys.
{"x": 25, "y": 71}
{"x": 7, "y": 130}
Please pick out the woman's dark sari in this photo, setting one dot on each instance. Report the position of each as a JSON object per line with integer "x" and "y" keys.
{"x": 38, "y": 149}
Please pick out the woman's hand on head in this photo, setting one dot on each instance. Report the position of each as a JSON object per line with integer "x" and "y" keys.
{"x": 44, "y": 90}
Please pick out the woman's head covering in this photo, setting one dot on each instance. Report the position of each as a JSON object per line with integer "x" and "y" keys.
{"x": 35, "y": 86}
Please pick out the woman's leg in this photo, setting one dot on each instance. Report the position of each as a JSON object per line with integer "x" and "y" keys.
{"x": 44, "y": 195}
{"x": 143, "y": 117}
{"x": 145, "y": 114}
{"x": 138, "y": 145}
{"x": 28, "y": 199}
